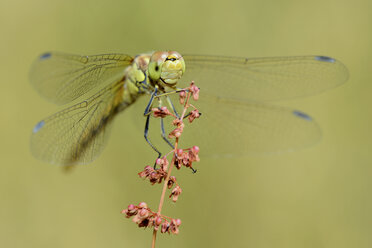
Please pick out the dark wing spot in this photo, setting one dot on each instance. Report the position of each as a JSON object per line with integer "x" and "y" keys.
{"x": 45, "y": 56}
{"x": 38, "y": 126}
{"x": 302, "y": 115}
{"x": 325, "y": 59}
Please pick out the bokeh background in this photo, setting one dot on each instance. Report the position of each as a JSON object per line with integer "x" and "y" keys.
{"x": 317, "y": 197}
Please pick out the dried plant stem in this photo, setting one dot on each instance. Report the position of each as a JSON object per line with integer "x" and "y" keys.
{"x": 165, "y": 185}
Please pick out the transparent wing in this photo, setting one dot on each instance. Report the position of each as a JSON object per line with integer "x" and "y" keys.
{"x": 264, "y": 79}
{"x": 77, "y": 134}
{"x": 62, "y": 77}
{"x": 229, "y": 127}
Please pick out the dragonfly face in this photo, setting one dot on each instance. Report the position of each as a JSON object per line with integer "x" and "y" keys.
{"x": 166, "y": 68}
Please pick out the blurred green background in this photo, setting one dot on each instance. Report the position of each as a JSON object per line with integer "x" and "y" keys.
{"x": 317, "y": 197}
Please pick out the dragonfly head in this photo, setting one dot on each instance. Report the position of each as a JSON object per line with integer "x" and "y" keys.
{"x": 166, "y": 68}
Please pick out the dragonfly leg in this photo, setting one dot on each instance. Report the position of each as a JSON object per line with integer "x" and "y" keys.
{"x": 170, "y": 92}
{"x": 189, "y": 113}
{"x": 163, "y": 135}
{"x": 172, "y": 106}
{"x": 174, "y": 109}
{"x": 148, "y": 107}
{"x": 146, "y": 135}
{"x": 147, "y": 125}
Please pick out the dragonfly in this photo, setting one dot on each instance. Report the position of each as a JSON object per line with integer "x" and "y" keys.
{"x": 236, "y": 100}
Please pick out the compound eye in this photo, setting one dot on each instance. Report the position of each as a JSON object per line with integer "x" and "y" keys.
{"x": 154, "y": 70}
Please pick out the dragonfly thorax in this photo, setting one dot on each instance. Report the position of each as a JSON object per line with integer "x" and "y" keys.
{"x": 166, "y": 68}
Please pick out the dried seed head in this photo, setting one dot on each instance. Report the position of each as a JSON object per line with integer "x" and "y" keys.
{"x": 163, "y": 162}
{"x": 182, "y": 96}
{"x": 143, "y": 212}
{"x": 178, "y": 222}
{"x": 161, "y": 112}
{"x": 193, "y": 115}
{"x": 193, "y": 154}
{"x": 155, "y": 176}
{"x": 175, "y": 193}
{"x": 174, "y": 227}
{"x": 159, "y": 161}
{"x": 158, "y": 221}
{"x": 178, "y": 123}
{"x": 171, "y": 181}
{"x": 195, "y": 149}
{"x": 144, "y": 223}
{"x": 195, "y": 91}
{"x": 179, "y": 153}
{"x": 142, "y": 205}
{"x": 176, "y": 133}
{"x": 146, "y": 172}
{"x": 165, "y": 227}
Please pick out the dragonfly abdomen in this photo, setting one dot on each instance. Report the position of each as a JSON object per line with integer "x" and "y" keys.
{"x": 88, "y": 137}
{"x": 124, "y": 97}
